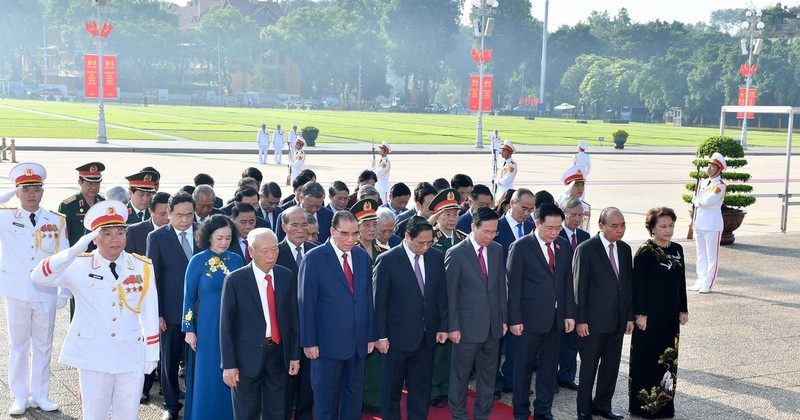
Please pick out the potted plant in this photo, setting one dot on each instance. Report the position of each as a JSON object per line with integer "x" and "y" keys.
{"x": 620, "y": 137}
{"x": 310, "y": 134}
{"x": 736, "y": 188}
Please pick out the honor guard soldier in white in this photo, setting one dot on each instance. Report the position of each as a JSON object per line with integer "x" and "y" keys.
{"x": 382, "y": 170}
{"x": 29, "y": 234}
{"x": 505, "y": 181}
{"x": 114, "y": 337}
{"x": 708, "y": 224}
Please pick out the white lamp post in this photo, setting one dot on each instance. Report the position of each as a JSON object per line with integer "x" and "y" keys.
{"x": 750, "y": 47}
{"x": 483, "y": 25}
{"x": 101, "y": 114}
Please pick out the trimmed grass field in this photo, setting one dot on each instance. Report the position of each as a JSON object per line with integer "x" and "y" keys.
{"x": 36, "y": 119}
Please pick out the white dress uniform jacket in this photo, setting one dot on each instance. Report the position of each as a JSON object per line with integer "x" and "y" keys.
{"x": 708, "y": 205}
{"x": 505, "y": 181}
{"x": 382, "y": 170}
{"x": 298, "y": 163}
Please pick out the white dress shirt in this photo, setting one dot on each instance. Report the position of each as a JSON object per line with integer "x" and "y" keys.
{"x": 261, "y": 283}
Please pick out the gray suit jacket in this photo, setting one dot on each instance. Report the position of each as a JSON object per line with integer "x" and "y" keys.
{"x": 476, "y": 308}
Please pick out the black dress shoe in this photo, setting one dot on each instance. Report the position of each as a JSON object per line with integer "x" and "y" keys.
{"x": 571, "y": 385}
{"x": 582, "y": 416}
{"x": 439, "y": 401}
{"x": 144, "y": 399}
{"x": 607, "y": 414}
{"x": 498, "y": 394}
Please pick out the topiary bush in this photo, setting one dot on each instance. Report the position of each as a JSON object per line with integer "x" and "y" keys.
{"x": 737, "y": 189}
{"x": 310, "y": 134}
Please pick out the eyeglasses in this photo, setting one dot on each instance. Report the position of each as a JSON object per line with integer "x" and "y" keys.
{"x": 294, "y": 226}
{"x": 551, "y": 229}
{"x": 526, "y": 210}
{"x": 350, "y": 235}
{"x": 421, "y": 244}
{"x": 491, "y": 233}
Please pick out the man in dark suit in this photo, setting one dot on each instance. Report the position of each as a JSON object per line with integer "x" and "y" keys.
{"x": 243, "y": 195}
{"x": 204, "y": 199}
{"x": 136, "y": 243}
{"x": 479, "y": 196}
{"x": 337, "y": 325}
{"x": 411, "y": 315}
{"x": 463, "y": 184}
{"x": 206, "y": 179}
{"x": 366, "y": 177}
{"x": 541, "y": 304}
{"x": 268, "y": 208}
{"x": 603, "y": 272}
{"x": 312, "y": 200}
{"x": 399, "y": 195}
{"x": 291, "y": 251}
{"x": 170, "y": 247}
{"x": 339, "y": 195}
{"x": 568, "y": 351}
{"x": 476, "y": 302}
{"x": 244, "y": 219}
{"x": 297, "y": 188}
{"x": 385, "y": 228}
{"x": 259, "y": 353}
{"x": 423, "y": 195}
{"x": 515, "y": 224}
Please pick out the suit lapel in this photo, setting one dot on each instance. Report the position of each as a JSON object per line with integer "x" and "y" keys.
{"x": 336, "y": 266}
{"x": 472, "y": 256}
{"x": 537, "y": 249}
{"x": 409, "y": 268}
{"x": 252, "y": 285}
{"x": 604, "y": 256}
{"x": 173, "y": 239}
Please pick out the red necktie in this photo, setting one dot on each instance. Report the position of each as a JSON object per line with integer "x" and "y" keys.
{"x": 574, "y": 241}
{"x": 273, "y": 313}
{"x": 483, "y": 265}
{"x": 613, "y": 260}
{"x": 348, "y": 273}
{"x": 551, "y": 257}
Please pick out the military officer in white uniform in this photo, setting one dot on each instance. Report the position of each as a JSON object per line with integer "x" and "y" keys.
{"x": 298, "y": 162}
{"x": 277, "y": 143}
{"x": 382, "y": 170}
{"x": 29, "y": 234}
{"x": 262, "y": 139}
{"x": 574, "y": 180}
{"x": 582, "y": 158}
{"x": 708, "y": 223}
{"x": 114, "y": 337}
{"x": 293, "y": 136}
{"x": 505, "y": 181}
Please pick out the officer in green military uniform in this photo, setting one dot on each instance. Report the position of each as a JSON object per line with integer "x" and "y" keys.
{"x": 75, "y": 206}
{"x": 445, "y": 208}
{"x": 366, "y": 214}
{"x": 141, "y": 187}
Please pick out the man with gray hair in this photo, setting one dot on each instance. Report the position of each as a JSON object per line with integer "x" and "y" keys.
{"x": 204, "y": 197}
{"x": 312, "y": 197}
{"x": 368, "y": 191}
{"x": 386, "y": 234}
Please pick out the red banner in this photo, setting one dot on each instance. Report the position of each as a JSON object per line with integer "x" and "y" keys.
{"x": 109, "y": 77}
{"x": 90, "y": 85}
{"x": 751, "y": 101}
{"x": 474, "y": 92}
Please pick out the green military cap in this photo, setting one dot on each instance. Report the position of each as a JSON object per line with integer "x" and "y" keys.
{"x": 446, "y": 199}
{"x": 145, "y": 181}
{"x": 365, "y": 209}
{"x": 92, "y": 171}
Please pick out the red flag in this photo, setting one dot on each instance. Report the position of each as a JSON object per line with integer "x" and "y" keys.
{"x": 748, "y": 70}
{"x": 91, "y": 27}
{"x": 476, "y": 56}
{"x": 487, "y": 56}
{"x": 106, "y": 29}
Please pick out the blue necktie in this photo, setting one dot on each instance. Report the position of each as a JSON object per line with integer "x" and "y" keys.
{"x": 519, "y": 230}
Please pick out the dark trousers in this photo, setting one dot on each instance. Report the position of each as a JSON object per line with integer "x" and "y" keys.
{"x": 567, "y": 357}
{"x": 262, "y": 396}
{"x": 527, "y": 347}
{"x": 172, "y": 344}
{"x": 601, "y": 350}
{"x": 415, "y": 368}
{"x": 484, "y": 357}
{"x": 505, "y": 370}
{"x": 338, "y": 387}
{"x": 299, "y": 392}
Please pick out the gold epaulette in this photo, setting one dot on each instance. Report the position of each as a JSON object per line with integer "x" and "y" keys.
{"x": 4, "y": 207}
{"x": 141, "y": 257}
{"x": 381, "y": 247}
{"x": 70, "y": 199}
{"x": 61, "y": 215}
{"x": 85, "y": 254}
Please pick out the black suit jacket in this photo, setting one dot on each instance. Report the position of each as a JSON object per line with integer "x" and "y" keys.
{"x": 581, "y": 236}
{"x": 276, "y": 217}
{"x": 505, "y": 236}
{"x": 213, "y": 212}
{"x": 402, "y": 313}
{"x": 286, "y": 256}
{"x": 242, "y": 326}
{"x": 136, "y": 237}
{"x": 536, "y": 295}
{"x": 169, "y": 266}
{"x": 604, "y": 302}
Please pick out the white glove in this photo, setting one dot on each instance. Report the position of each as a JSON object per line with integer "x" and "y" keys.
{"x": 7, "y": 196}
{"x": 83, "y": 243}
{"x": 149, "y": 367}
{"x": 61, "y": 302}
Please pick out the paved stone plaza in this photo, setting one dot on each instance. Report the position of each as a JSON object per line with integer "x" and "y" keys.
{"x": 737, "y": 351}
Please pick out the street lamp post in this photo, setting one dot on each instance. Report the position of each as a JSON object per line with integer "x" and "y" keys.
{"x": 483, "y": 28}
{"x": 101, "y": 117}
{"x": 750, "y": 47}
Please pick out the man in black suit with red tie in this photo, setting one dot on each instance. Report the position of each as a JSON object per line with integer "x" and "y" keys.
{"x": 170, "y": 247}
{"x": 568, "y": 351}
{"x": 603, "y": 271}
{"x": 411, "y": 315}
{"x": 291, "y": 251}
{"x": 541, "y": 305}
{"x": 259, "y": 331}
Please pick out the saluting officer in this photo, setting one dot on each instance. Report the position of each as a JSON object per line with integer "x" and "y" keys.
{"x": 367, "y": 216}
{"x": 74, "y": 207}
{"x": 382, "y": 171}
{"x": 29, "y": 234}
{"x": 141, "y": 187}
{"x": 114, "y": 337}
{"x": 445, "y": 208}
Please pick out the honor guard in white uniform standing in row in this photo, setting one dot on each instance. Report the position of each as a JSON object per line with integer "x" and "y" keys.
{"x": 582, "y": 158}
{"x": 496, "y": 144}
{"x": 505, "y": 181}
{"x": 382, "y": 170}
{"x": 277, "y": 143}
{"x": 262, "y": 139}
{"x": 708, "y": 224}
{"x": 574, "y": 180}
{"x": 298, "y": 162}
{"x": 114, "y": 337}
{"x": 293, "y": 136}
{"x": 28, "y": 235}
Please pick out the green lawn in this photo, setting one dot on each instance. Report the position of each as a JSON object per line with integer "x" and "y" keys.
{"x": 240, "y": 124}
